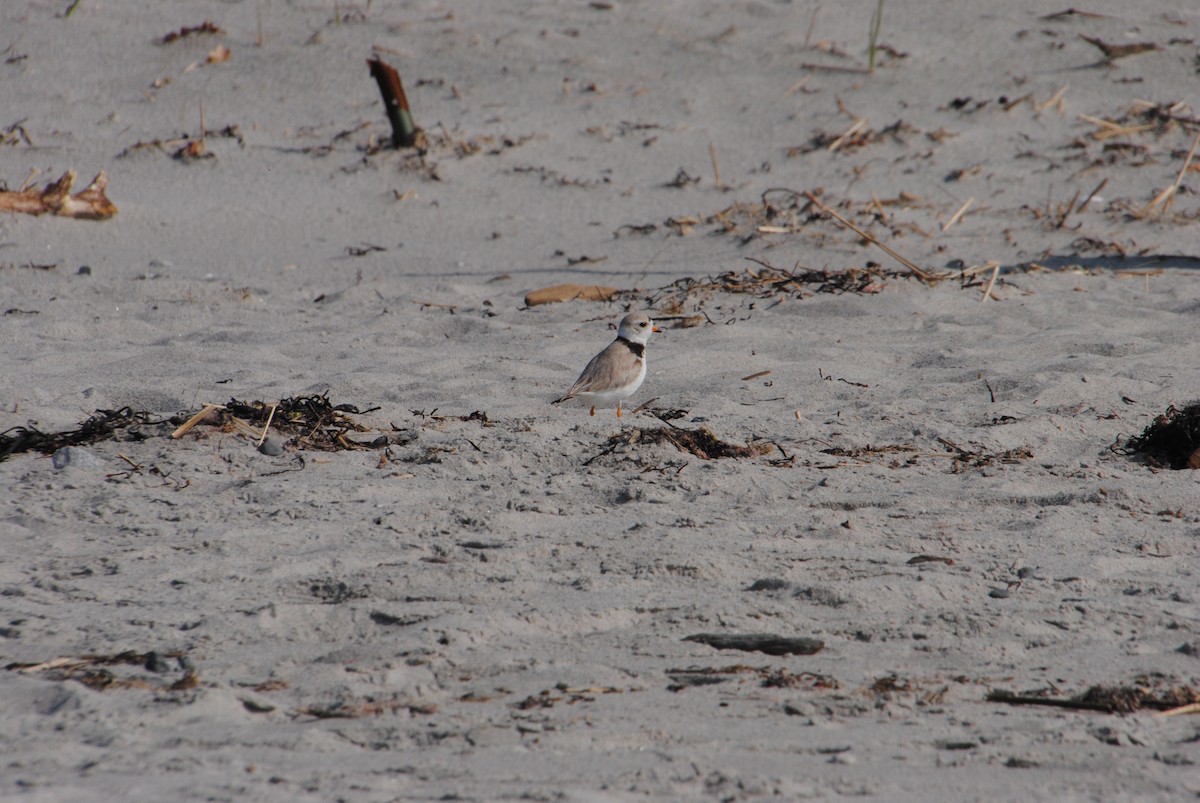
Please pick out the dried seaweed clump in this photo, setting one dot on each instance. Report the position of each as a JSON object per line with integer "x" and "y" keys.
{"x": 767, "y": 282}
{"x": 700, "y": 442}
{"x": 100, "y": 426}
{"x": 313, "y": 422}
{"x": 1172, "y": 440}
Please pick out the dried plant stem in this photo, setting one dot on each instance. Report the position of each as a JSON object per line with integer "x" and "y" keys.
{"x": 928, "y": 278}
{"x": 1092, "y": 195}
{"x": 987, "y": 292}
{"x": 267, "y": 427}
{"x": 859, "y": 124}
{"x": 1054, "y": 99}
{"x": 712, "y": 153}
{"x": 1167, "y": 196}
{"x": 873, "y": 36}
{"x": 1190, "y": 708}
{"x": 957, "y": 216}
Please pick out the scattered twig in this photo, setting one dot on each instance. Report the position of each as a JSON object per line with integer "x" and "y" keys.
{"x": 267, "y": 426}
{"x": 987, "y": 292}
{"x": 1114, "y": 52}
{"x": 1167, "y": 196}
{"x": 1092, "y": 195}
{"x": 927, "y": 278}
{"x": 957, "y": 216}
{"x": 857, "y": 126}
{"x": 1054, "y": 100}
{"x": 873, "y": 36}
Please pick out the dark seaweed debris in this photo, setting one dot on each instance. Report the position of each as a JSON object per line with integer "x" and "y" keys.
{"x": 700, "y": 442}
{"x": 313, "y": 421}
{"x": 1171, "y": 441}
{"x": 1108, "y": 699}
{"x": 101, "y": 425}
{"x": 769, "y": 643}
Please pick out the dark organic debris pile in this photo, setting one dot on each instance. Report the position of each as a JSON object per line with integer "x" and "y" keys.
{"x": 100, "y": 426}
{"x": 964, "y": 458}
{"x": 1145, "y": 692}
{"x": 1171, "y": 441}
{"x": 700, "y": 442}
{"x": 767, "y": 282}
{"x": 99, "y": 673}
{"x": 311, "y": 422}
{"x": 768, "y": 677}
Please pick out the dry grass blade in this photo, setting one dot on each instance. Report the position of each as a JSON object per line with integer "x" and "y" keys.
{"x": 987, "y": 292}
{"x": 267, "y": 426}
{"x": 1055, "y": 99}
{"x": 957, "y": 216}
{"x": 927, "y": 278}
{"x": 1109, "y": 129}
{"x": 859, "y": 125}
{"x": 1167, "y": 196}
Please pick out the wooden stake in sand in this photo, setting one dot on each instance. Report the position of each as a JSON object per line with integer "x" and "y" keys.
{"x": 395, "y": 103}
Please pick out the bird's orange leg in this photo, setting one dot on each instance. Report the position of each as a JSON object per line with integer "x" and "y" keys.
{"x": 593, "y": 410}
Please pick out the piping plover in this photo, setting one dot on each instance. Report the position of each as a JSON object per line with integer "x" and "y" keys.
{"x": 615, "y": 373}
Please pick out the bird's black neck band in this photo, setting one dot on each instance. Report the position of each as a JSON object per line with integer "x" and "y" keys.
{"x": 638, "y": 349}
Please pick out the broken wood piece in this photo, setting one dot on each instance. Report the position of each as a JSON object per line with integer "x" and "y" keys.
{"x": 569, "y": 292}
{"x": 395, "y": 103}
{"x": 768, "y": 643}
{"x": 56, "y": 198}
{"x": 208, "y": 410}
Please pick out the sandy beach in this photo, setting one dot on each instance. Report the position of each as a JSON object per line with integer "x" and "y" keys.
{"x": 893, "y": 459}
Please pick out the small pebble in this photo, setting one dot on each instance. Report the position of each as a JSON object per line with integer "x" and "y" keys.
{"x": 74, "y": 456}
{"x": 271, "y": 448}
{"x": 156, "y": 663}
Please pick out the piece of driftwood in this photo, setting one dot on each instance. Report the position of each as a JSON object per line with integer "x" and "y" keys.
{"x": 56, "y": 198}
{"x": 570, "y": 292}
{"x": 768, "y": 643}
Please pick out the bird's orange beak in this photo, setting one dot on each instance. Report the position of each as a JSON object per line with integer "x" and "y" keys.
{"x": 655, "y": 329}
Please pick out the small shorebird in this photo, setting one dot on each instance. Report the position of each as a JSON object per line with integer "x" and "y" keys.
{"x": 615, "y": 373}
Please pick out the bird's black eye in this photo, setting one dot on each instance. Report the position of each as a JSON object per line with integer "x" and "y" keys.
{"x": 642, "y": 324}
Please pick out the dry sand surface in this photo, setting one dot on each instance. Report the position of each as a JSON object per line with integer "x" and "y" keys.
{"x": 497, "y": 606}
